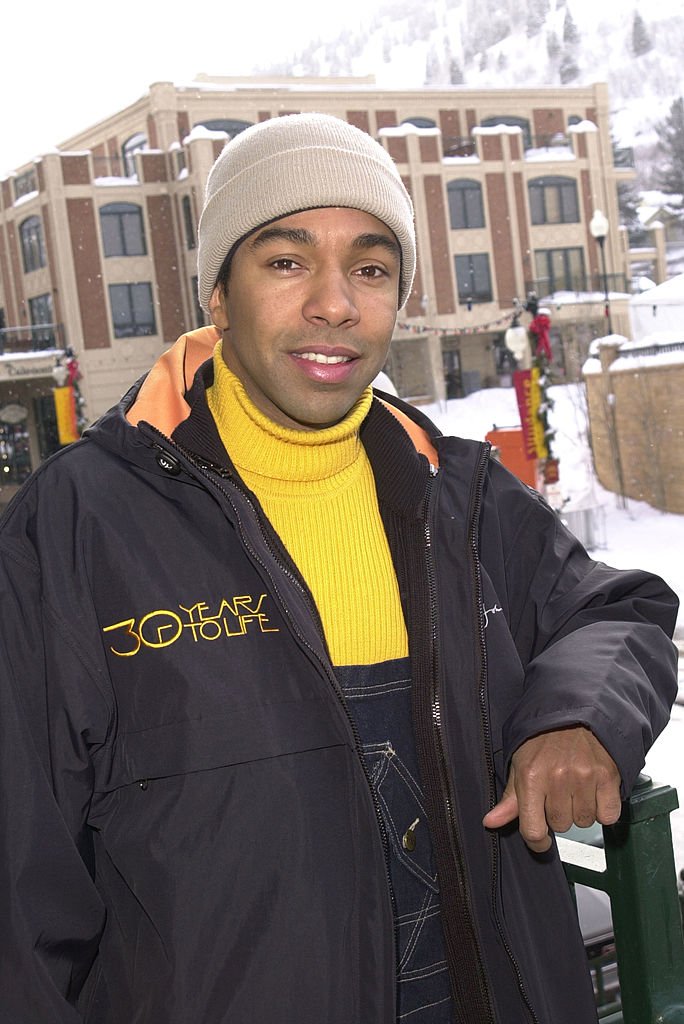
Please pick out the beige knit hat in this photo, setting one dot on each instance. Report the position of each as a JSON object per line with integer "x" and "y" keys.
{"x": 294, "y": 163}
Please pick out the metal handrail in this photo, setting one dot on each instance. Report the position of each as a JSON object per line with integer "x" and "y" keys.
{"x": 637, "y": 870}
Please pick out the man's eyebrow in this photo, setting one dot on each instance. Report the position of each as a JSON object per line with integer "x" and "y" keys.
{"x": 297, "y": 236}
{"x": 302, "y": 236}
{"x": 370, "y": 241}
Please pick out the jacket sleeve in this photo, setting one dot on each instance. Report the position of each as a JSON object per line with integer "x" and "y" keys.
{"x": 53, "y": 714}
{"x": 594, "y": 641}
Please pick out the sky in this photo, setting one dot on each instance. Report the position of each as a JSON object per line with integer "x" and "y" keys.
{"x": 66, "y": 66}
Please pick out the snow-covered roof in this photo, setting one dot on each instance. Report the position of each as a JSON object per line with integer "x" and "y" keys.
{"x": 407, "y": 128}
{"x": 497, "y": 129}
{"x": 669, "y": 293}
{"x": 582, "y": 128}
{"x": 200, "y": 132}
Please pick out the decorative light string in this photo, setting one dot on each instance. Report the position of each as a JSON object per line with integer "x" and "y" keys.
{"x": 450, "y": 331}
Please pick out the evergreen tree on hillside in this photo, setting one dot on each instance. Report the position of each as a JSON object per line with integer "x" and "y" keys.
{"x": 553, "y": 46}
{"x": 432, "y": 67}
{"x": 568, "y": 70}
{"x": 671, "y": 148}
{"x": 641, "y": 41}
{"x": 629, "y": 201}
{"x": 536, "y": 16}
{"x": 455, "y": 72}
{"x": 570, "y": 32}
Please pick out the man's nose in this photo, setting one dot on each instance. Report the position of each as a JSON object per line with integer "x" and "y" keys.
{"x": 330, "y": 300}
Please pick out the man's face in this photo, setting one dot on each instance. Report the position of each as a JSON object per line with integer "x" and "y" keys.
{"x": 308, "y": 313}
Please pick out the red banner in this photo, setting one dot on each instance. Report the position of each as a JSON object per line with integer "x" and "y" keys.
{"x": 528, "y": 394}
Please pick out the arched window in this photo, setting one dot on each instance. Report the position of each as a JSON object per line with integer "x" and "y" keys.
{"x": 420, "y": 122}
{"x": 32, "y": 244}
{"x": 553, "y": 200}
{"x": 465, "y": 204}
{"x": 122, "y": 229}
{"x": 230, "y": 126}
{"x": 131, "y": 146}
{"x": 514, "y": 122}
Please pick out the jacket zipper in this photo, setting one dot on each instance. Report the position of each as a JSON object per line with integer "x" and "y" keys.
{"x": 437, "y": 723}
{"x": 484, "y": 714}
{"x": 206, "y": 468}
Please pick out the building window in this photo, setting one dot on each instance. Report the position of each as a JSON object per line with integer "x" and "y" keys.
{"x": 515, "y": 122}
{"x": 553, "y": 200}
{"x": 465, "y": 204}
{"x": 40, "y": 312}
{"x": 132, "y": 310}
{"x": 559, "y": 270}
{"x": 473, "y": 278}
{"x": 32, "y": 244}
{"x": 24, "y": 184}
{"x": 136, "y": 144}
{"x": 189, "y": 223}
{"x": 122, "y": 230}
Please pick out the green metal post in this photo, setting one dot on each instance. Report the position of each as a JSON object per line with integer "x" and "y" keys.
{"x": 645, "y": 906}
{"x": 637, "y": 870}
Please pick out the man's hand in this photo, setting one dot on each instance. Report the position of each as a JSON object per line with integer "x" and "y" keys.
{"x": 558, "y": 778}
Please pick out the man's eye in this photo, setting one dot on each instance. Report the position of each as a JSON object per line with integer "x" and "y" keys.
{"x": 283, "y": 263}
{"x": 372, "y": 270}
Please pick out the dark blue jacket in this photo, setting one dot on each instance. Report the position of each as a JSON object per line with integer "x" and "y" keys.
{"x": 187, "y": 831}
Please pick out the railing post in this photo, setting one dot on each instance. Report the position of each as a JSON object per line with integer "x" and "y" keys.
{"x": 636, "y": 868}
{"x": 642, "y": 885}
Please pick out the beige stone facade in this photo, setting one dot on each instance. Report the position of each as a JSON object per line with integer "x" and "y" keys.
{"x": 636, "y": 418}
{"x": 98, "y": 239}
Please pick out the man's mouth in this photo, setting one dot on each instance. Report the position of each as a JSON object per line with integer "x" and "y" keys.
{"x": 319, "y": 357}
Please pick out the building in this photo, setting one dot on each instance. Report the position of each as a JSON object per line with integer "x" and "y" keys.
{"x": 636, "y": 417}
{"x": 97, "y": 239}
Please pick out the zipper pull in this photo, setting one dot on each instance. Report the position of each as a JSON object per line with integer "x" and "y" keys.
{"x": 409, "y": 838}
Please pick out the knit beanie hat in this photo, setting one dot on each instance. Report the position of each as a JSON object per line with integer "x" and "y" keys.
{"x": 293, "y": 163}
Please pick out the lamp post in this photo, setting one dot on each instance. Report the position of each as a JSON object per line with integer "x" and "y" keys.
{"x": 598, "y": 226}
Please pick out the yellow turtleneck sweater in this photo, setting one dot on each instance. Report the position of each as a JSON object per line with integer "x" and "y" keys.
{"x": 318, "y": 491}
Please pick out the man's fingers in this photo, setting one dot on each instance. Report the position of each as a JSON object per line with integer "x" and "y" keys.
{"x": 556, "y": 779}
{"x": 532, "y": 821}
{"x": 608, "y": 802}
{"x": 504, "y": 812}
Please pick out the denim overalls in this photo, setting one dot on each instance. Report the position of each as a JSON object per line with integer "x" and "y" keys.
{"x": 379, "y": 700}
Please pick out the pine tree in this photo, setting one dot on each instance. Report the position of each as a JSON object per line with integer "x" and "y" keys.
{"x": 432, "y": 67}
{"x": 629, "y": 201}
{"x": 671, "y": 146}
{"x": 641, "y": 41}
{"x": 455, "y": 72}
{"x": 570, "y": 32}
{"x": 553, "y": 46}
{"x": 536, "y": 16}
{"x": 568, "y": 70}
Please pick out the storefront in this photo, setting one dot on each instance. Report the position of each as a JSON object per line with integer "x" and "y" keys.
{"x": 28, "y": 425}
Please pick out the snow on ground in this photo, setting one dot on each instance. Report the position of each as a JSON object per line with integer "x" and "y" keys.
{"x": 637, "y": 536}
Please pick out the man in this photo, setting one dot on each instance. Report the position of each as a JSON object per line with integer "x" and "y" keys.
{"x": 295, "y": 689}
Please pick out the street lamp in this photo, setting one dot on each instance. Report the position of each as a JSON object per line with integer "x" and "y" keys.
{"x": 599, "y": 226}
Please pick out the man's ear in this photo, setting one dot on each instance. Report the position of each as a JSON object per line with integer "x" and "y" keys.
{"x": 217, "y": 309}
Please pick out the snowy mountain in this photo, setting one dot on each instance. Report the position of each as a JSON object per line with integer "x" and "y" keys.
{"x": 635, "y": 47}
